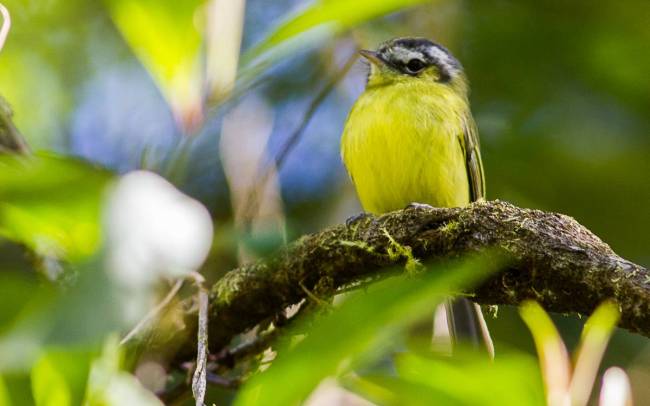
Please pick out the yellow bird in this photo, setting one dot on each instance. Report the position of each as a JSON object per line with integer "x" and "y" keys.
{"x": 410, "y": 138}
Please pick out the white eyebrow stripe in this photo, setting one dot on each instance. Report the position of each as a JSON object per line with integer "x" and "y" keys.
{"x": 404, "y": 55}
{"x": 400, "y": 51}
{"x": 443, "y": 57}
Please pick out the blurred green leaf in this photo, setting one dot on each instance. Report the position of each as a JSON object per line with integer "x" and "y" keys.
{"x": 394, "y": 391}
{"x": 102, "y": 370}
{"x": 38, "y": 105}
{"x": 333, "y": 15}
{"x": 23, "y": 334}
{"x": 60, "y": 376}
{"x": 12, "y": 296}
{"x": 165, "y": 37}
{"x": 74, "y": 320}
{"x": 563, "y": 384}
{"x": 37, "y": 78}
{"x": 390, "y": 390}
{"x": 595, "y": 336}
{"x": 4, "y": 393}
{"x": 356, "y": 332}
{"x": 465, "y": 379}
{"x": 476, "y": 380}
{"x": 600, "y": 324}
{"x": 48, "y": 384}
{"x": 323, "y": 18}
{"x": 52, "y": 204}
{"x": 553, "y": 355}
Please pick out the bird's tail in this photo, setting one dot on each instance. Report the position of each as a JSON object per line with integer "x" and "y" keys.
{"x": 466, "y": 325}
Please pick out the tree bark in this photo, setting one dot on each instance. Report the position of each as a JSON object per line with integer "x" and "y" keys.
{"x": 552, "y": 259}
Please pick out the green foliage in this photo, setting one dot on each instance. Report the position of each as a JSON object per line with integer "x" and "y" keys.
{"x": 367, "y": 326}
{"x": 4, "y": 393}
{"x": 48, "y": 384}
{"x": 12, "y": 297}
{"x": 17, "y": 68}
{"x": 44, "y": 319}
{"x": 60, "y": 376}
{"x": 595, "y": 336}
{"x": 545, "y": 89}
{"x": 165, "y": 37}
{"x": 356, "y": 333}
{"x": 466, "y": 379}
{"x": 562, "y": 380}
{"x": 52, "y": 204}
{"x": 320, "y": 20}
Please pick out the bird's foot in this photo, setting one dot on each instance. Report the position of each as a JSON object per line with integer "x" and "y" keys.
{"x": 418, "y": 206}
{"x": 356, "y": 218}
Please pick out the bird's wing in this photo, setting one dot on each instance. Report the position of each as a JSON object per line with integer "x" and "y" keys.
{"x": 471, "y": 147}
{"x": 466, "y": 321}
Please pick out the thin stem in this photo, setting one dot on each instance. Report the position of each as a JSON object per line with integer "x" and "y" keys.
{"x": 199, "y": 379}
{"x": 153, "y": 312}
{"x": 266, "y": 169}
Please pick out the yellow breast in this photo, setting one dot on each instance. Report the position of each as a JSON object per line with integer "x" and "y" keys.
{"x": 401, "y": 145}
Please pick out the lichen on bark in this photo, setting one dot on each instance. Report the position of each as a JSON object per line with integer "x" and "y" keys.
{"x": 552, "y": 259}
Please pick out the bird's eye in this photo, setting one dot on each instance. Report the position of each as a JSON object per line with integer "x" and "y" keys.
{"x": 415, "y": 65}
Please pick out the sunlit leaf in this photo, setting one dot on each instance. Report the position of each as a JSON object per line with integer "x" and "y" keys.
{"x": 223, "y": 41}
{"x": 52, "y": 204}
{"x": 595, "y": 336}
{"x": 38, "y": 105}
{"x": 393, "y": 391}
{"x": 4, "y": 393}
{"x": 476, "y": 380}
{"x": 363, "y": 324}
{"x": 59, "y": 377}
{"x": 465, "y": 379}
{"x": 48, "y": 385}
{"x": 165, "y": 37}
{"x": 102, "y": 370}
{"x": 553, "y": 355}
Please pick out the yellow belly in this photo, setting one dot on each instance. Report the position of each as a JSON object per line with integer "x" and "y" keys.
{"x": 401, "y": 145}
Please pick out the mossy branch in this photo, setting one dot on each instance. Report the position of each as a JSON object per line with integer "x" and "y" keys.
{"x": 553, "y": 259}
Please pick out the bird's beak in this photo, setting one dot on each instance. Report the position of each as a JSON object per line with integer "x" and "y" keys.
{"x": 372, "y": 56}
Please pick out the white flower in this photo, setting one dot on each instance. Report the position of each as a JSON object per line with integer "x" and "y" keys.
{"x": 154, "y": 230}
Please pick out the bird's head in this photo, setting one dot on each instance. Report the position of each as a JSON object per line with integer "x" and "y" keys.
{"x": 408, "y": 59}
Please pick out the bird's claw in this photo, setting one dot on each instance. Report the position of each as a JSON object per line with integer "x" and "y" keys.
{"x": 418, "y": 206}
{"x": 356, "y": 218}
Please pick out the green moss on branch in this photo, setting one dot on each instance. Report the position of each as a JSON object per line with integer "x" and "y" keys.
{"x": 555, "y": 261}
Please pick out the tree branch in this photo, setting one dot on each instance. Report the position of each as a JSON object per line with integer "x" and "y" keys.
{"x": 554, "y": 260}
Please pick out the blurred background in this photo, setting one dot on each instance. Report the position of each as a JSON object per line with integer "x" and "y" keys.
{"x": 560, "y": 93}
